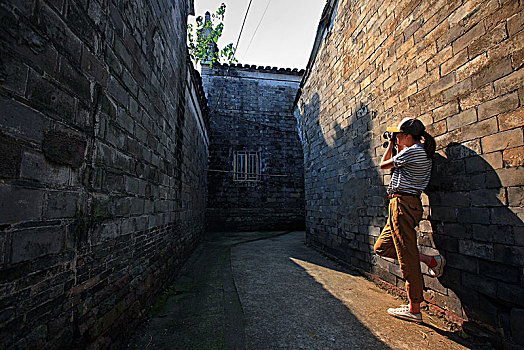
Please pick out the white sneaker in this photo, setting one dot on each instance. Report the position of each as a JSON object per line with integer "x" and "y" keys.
{"x": 404, "y": 313}
{"x": 437, "y": 270}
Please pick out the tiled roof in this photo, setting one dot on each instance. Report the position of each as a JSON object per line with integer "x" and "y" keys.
{"x": 266, "y": 69}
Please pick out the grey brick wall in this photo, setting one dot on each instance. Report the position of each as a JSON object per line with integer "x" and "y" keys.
{"x": 457, "y": 66}
{"x": 103, "y": 147}
{"x": 251, "y": 110}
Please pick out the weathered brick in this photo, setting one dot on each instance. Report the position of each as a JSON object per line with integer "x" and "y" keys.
{"x": 476, "y": 97}
{"x": 10, "y": 157}
{"x": 510, "y": 82}
{"x": 513, "y": 156}
{"x": 60, "y": 34}
{"x": 516, "y": 196}
{"x": 502, "y": 140}
{"x": 80, "y": 23}
{"x": 439, "y": 58}
{"x": 437, "y": 128}
{"x": 462, "y": 262}
{"x": 476, "y": 164}
{"x": 118, "y": 92}
{"x": 472, "y": 67}
{"x": 35, "y": 167}
{"x": 449, "y": 36}
{"x": 466, "y": 39}
{"x": 73, "y": 80}
{"x": 13, "y": 74}
{"x": 476, "y": 249}
{"x": 50, "y": 98}
{"x": 427, "y": 53}
{"x": 483, "y": 10}
{"x": 390, "y": 81}
{"x": 473, "y": 215}
{"x": 507, "y": 47}
{"x": 20, "y": 204}
{"x": 510, "y": 120}
{"x": 493, "y": 233}
{"x": 499, "y": 272}
{"x": 467, "y": 117}
{"x": 515, "y": 23}
{"x": 92, "y": 66}
{"x": 491, "y": 72}
{"x": 491, "y": 38}
{"x": 412, "y": 89}
{"x": 463, "y": 11}
{"x": 492, "y": 197}
{"x": 499, "y": 105}
{"x": 113, "y": 63}
{"x": 428, "y": 79}
{"x": 56, "y": 58}
{"x": 453, "y": 62}
{"x": 493, "y": 159}
{"x": 60, "y": 205}
{"x": 432, "y": 20}
{"x": 510, "y": 255}
{"x": 64, "y": 148}
{"x": 442, "y": 84}
{"x": 21, "y": 120}
{"x": 122, "y": 52}
{"x": 437, "y": 32}
{"x": 34, "y": 242}
{"x": 416, "y": 74}
{"x": 482, "y": 128}
{"x": 418, "y": 98}
{"x": 510, "y": 176}
{"x": 402, "y": 49}
{"x": 458, "y": 89}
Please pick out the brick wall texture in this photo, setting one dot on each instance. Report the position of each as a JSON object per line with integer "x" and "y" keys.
{"x": 102, "y": 158}
{"x": 251, "y": 109}
{"x": 457, "y": 66}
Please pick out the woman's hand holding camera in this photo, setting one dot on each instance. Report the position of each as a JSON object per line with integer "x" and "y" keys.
{"x": 391, "y": 138}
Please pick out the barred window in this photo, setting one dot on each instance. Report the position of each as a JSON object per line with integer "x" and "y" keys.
{"x": 246, "y": 166}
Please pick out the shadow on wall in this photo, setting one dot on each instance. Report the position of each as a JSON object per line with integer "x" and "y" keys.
{"x": 478, "y": 234}
{"x": 470, "y": 222}
{"x": 346, "y": 201}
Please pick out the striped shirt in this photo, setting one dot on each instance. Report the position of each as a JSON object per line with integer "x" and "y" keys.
{"x": 411, "y": 172}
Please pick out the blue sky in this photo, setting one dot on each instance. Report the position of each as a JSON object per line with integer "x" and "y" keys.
{"x": 284, "y": 38}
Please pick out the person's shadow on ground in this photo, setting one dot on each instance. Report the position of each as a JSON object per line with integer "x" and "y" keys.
{"x": 347, "y": 196}
{"x": 479, "y": 236}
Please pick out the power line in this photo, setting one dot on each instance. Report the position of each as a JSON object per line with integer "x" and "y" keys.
{"x": 238, "y": 172}
{"x": 242, "y": 28}
{"x": 258, "y": 25}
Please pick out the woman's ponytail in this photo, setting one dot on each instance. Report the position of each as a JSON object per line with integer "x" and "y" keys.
{"x": 429, "y": 144}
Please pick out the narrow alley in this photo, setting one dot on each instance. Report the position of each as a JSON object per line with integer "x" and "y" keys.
{"x": 120, "y": 151}
{"x": 268, "y": 290}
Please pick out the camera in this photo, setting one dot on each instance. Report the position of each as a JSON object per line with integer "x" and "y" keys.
{"x": 390, "y": 137}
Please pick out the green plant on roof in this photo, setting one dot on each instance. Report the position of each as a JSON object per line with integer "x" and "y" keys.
{"x": 202, "y": 41}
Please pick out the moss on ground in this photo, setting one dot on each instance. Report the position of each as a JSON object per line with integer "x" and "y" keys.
{"x": 161, "y": 301}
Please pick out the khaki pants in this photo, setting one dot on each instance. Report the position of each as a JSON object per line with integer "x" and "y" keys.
{"x": 398, "y": 240}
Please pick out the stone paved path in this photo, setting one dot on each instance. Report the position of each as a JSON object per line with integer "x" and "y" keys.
{"x": 269, "y": 291}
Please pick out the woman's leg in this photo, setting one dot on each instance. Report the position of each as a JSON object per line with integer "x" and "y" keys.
{"x": 406, "y": 213}
{"x": 384, "y": 246}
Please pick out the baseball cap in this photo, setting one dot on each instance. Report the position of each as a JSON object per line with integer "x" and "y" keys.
{"x": 409, "y": 126}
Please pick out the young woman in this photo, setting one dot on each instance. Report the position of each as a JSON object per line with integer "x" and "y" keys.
{"x": 398, "y": 240}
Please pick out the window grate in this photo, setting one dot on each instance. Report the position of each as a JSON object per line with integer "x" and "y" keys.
{"x": 246, "y": 166}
